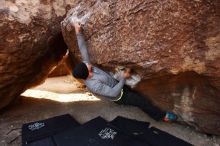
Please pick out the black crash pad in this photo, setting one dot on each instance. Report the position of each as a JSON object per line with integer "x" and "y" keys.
{"x": 96, "y": 132}
{"x": 39, "y": 132}
{"x": 65, "y": 131}
{"x": 42, "y": 142}
{"x": 130, "y": 126}
{"x": 151, "y": 136}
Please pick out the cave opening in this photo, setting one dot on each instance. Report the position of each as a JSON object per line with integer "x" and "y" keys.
{"x": 60, "y": 86}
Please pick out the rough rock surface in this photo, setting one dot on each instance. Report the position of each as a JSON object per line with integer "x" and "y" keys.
{"x": 173, "y": 44}
{"x": 31, "y": 43}
{"x": 61, "y": 69}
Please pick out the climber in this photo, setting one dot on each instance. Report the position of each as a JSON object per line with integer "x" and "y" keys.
{"x": 103, "y": 84}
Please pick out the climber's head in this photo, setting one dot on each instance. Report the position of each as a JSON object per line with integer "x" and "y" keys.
{"x": 82, "y": 71}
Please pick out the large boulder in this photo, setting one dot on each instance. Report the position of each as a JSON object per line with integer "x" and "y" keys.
{"x": 173, "y": 44}
{"x": 31, "y": 43}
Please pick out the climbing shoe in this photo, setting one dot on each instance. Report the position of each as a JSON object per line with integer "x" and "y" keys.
{"x": 170, "y": 117}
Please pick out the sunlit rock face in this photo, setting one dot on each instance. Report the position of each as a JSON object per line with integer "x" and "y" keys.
{"x": 31, "y": 43}
{"x": 173, "y": 44}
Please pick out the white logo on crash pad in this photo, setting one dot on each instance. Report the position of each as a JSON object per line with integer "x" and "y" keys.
{"x": 35, "y": 126}
{"x": 107, "y": 133}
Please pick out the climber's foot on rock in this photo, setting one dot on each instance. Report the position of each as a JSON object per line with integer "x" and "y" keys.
{"x": 170, "y": 117}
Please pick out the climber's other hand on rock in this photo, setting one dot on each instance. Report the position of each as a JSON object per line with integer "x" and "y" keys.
{"x": 127, "y": 73}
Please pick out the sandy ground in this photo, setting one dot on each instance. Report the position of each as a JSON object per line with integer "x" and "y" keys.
{"x": 60, "y": 96}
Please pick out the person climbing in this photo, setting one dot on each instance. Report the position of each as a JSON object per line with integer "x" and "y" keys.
{"x": 103, "y": 84}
